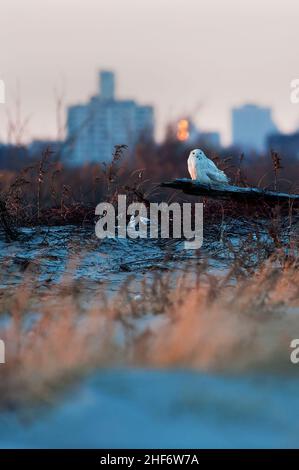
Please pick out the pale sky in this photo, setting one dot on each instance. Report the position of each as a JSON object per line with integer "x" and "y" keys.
{"x": 198, "y": 57}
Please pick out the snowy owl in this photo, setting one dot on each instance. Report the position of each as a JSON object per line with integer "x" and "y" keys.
{"x": 202, "y": 169}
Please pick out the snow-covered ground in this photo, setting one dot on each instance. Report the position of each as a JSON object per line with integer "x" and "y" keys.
{"x": 174, "y": 409}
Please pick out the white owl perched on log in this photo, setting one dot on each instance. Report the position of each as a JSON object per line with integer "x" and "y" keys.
{"x": 204, "y": 170}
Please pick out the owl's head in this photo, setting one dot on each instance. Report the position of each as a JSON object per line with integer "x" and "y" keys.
{"x": 197, "y": 153}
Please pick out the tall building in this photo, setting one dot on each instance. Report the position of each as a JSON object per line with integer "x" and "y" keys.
{"x": 287, "y": 145}
{"x": 251, "y": 125}
{"x": 211, "y": 139}
{"x": 107, "y": 85}
{"x": 186, "y": 131}
{"x": 94, "y": 128}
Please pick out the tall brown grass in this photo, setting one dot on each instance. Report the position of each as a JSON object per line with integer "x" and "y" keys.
{"x": 198, "y": 319}
{"x": 47, "y": 191}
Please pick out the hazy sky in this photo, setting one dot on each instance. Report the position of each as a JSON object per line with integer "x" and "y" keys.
{"x": 184, "y": 56}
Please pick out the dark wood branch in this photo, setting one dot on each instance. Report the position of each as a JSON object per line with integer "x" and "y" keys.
{"x": 226, "y": 191}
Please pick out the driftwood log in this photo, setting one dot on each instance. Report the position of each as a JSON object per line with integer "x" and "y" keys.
{"x": 226, "y": 191}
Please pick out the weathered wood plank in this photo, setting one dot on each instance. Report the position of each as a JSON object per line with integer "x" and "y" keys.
{"x": 227, "y": 191}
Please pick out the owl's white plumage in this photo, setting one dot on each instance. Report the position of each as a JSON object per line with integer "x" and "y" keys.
{"x": 204, "y": 170}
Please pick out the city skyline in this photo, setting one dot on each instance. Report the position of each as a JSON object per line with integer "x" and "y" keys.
{"x": 193, "y": 57}
{"x": 94, "y": 128}
{"x": 251, "y": 127}
{"x": 176, "y": 120}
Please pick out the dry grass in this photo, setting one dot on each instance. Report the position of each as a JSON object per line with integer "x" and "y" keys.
{"x": 229, "y": 327}
{"x": 49, "y": 193}
{"x": 196, "y": 320}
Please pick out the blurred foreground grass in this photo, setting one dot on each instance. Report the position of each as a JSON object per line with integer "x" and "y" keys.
{"x": 226, "y": 323}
